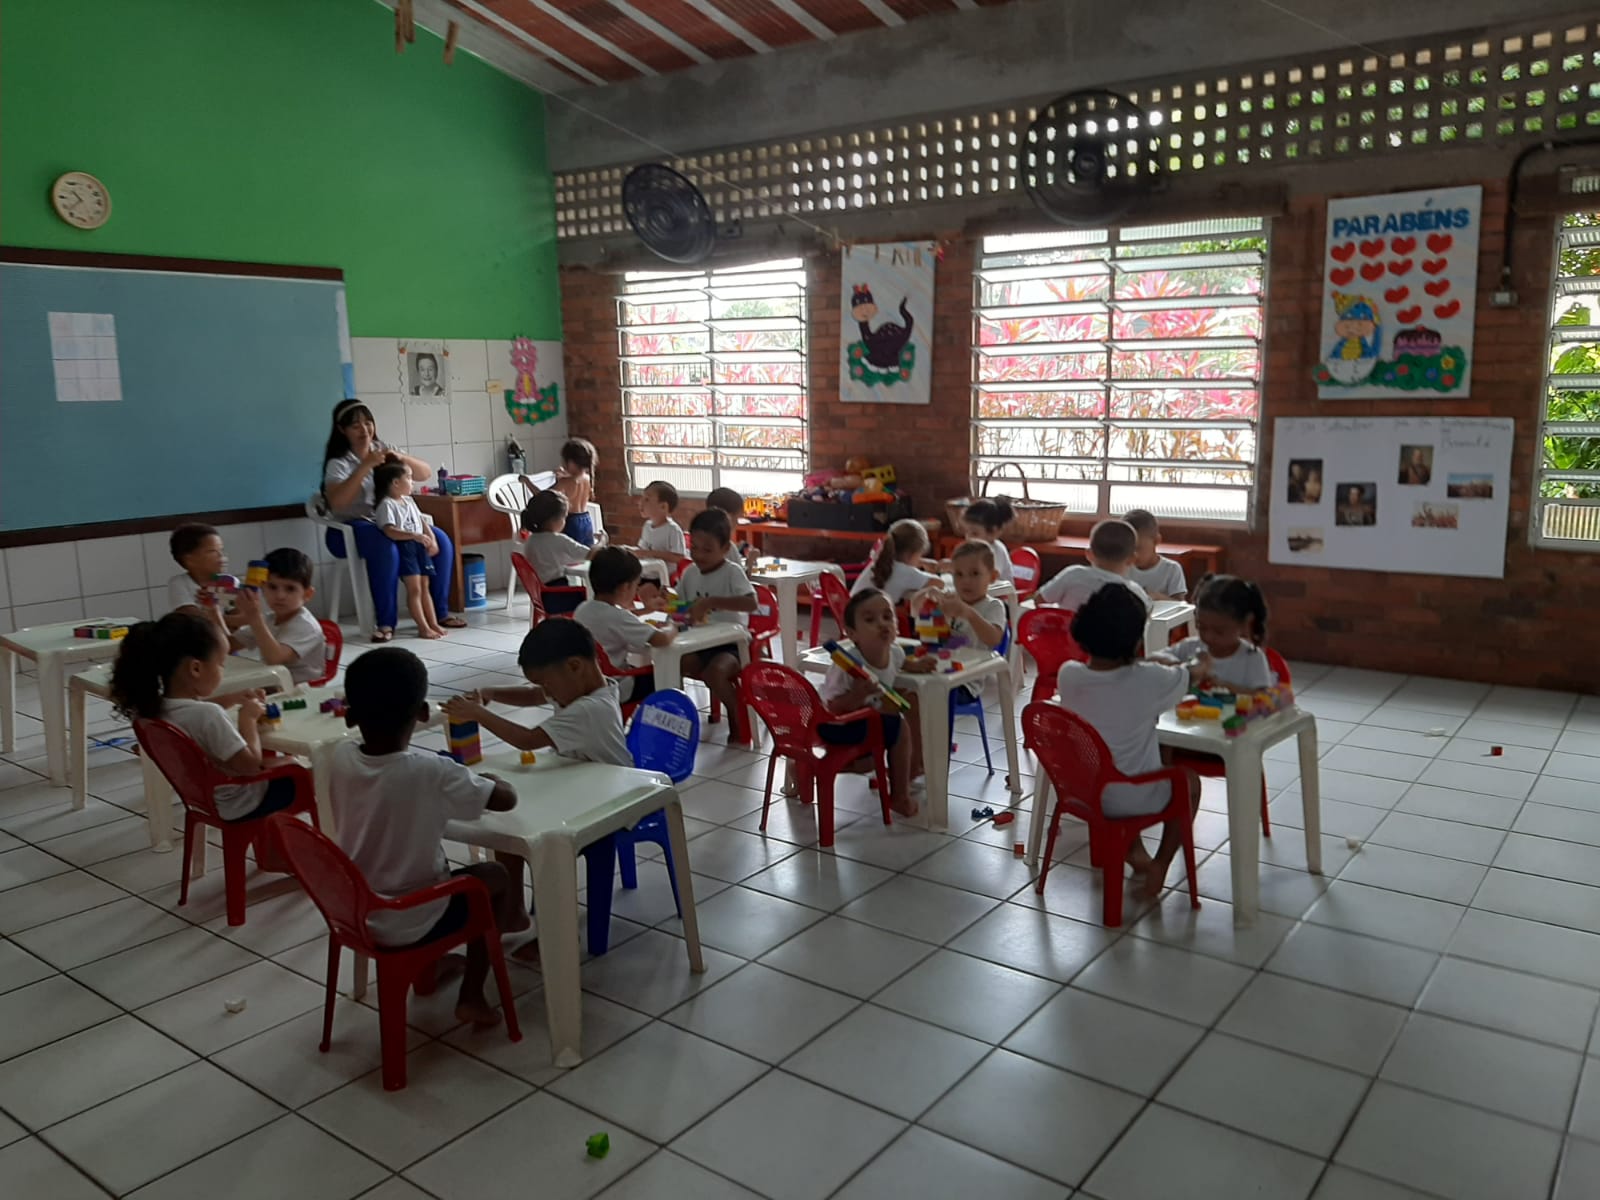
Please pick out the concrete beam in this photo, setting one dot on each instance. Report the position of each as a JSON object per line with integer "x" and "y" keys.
{"x": 983, "y": 58}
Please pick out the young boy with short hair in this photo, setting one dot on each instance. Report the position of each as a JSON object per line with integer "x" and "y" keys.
{"x": 662, "y": 537}
{"x": 1111, "y": 549}
{"x": 292, "y": 637}
{"x": 393, "y": 801}
{"x": 725, "y": 499}
{"x": 614, "y": 575}
{"x": 718, "y": 592}
{"x": 1162, "y": 578}
{"x": 197, "y": 549}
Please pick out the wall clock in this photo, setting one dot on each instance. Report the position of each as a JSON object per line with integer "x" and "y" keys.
{"x": 81, "y": 200}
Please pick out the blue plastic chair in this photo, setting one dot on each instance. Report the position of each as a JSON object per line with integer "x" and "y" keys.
{"x": 974, "y": 707}
{"x": 664, "y": 735}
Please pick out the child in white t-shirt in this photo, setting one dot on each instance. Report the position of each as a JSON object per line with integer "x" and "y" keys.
{"x": 870, "y": 622}
{"x": 1111, "y": 546}
{"x": 662, "y": 537}
{"x": 1161, "y": 577}
{"x": 549, "y": 550}
{"x": 614, "y": 575}
{"x": 718, "y": 592}
{"x": 293, "y": 637}
{"x": 168, "y": 670}
{"x": 198, "y": 550}
{"x": 983, "y": 521}
{"x": 1230, "y": 615}
{"x": 402, "y": 522}
{"x": 1122, "y": 697}
{"x": 897, "y": 569}
{"x": 392, "y": 802}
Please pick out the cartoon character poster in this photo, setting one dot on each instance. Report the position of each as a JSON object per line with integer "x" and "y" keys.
{"x": 1400, "y": 279}
{"x": 887, "y": 304}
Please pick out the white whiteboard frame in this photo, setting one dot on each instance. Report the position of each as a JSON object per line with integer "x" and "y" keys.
{"x": 1368, "y": 450}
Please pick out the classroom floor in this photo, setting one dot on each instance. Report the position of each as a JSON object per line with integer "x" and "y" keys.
{"x": 902, "y": 1017}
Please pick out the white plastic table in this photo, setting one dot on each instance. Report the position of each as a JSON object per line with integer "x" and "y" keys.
{"x": 654, "y": 569}
{"x": 933, "y": 718}
{"x": 54, "y": 648}
{"x": 563, "y": 806}
{"x": 667, "y": 661}
{"x": 1166, "y": 616}
{"x": 1241, "y": 757}
{"x": 786, "y": 576}
{"x": 238, "y": 675}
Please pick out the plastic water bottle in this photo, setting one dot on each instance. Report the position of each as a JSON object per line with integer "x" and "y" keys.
{"x": 444, "y": 474}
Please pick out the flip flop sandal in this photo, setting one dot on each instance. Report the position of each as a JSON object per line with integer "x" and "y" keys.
{"x": 383, "y": 635}
{"x": 454, "y": 623}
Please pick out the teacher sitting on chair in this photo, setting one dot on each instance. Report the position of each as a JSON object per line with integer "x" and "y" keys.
{"x": 353, "y": 453}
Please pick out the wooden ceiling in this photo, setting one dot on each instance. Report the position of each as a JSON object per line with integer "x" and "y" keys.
{"x": 597, "y": 42}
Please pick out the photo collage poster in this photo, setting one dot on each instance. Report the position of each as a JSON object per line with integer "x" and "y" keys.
{"x": 1428, "y": 495}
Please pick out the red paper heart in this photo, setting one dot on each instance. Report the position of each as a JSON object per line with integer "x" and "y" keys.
{"x": 1436, "y": 287}
{"x": 1340, "y": 276}
{"x": 1343, "y": 253}
{"x": 1434, "y": 265}
{"x": 1397, "y": 294}
{"x": 1403, "y": 245}
{"x": 1372, "y": 249}
{"x": 1440, "y": 242}
{"x": 1370, "y": 271}
{"x": 1400, "y": 267}
{"x": 1445, "y": 311}
{"x": 1408, "y": 315}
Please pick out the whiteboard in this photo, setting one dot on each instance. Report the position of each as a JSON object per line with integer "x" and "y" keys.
{"x": 1422, "y": 495}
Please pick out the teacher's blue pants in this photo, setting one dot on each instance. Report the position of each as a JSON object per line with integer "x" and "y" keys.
{"x": 382, "y": 556}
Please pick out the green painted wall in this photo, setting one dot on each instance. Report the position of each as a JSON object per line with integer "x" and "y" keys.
{"x": 287, "y": 131}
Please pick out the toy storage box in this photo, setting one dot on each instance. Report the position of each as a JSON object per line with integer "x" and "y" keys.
{"x": 856, "y": 518}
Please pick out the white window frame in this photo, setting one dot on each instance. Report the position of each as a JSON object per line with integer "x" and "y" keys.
{"x": 706, "y": 299}
{"x": 1112, "y": 480}
{"x": 1557, "y": 523}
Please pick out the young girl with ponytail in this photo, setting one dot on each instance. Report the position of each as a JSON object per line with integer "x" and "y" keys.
{"x": 896, "y": 570}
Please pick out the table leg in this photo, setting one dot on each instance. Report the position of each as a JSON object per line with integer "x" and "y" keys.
{"x": 555, "y": 903}
{"x": 1008, "y": 714}
{"x": 53, "y": 704}
{"x": 1311, "y": 796}
{"x": 666, "y": 663}
{"x": 8, "y": 700}
{"x": 1244, "y": 833}
{"x": 789, "y": 620}
{"x": 680, "y": 862}
{"x": 78, "y": 729}
{"x": 933, "y": 706}
{"x": 1039, "y": 818}
{"x": 157, "y": 805}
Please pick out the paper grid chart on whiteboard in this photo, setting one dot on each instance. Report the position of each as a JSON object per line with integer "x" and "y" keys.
{"x": 1427, "y": 495}
{"x": 83, "y": 349}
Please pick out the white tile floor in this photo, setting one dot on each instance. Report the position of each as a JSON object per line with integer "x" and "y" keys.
{"x": 899, "y": 1017}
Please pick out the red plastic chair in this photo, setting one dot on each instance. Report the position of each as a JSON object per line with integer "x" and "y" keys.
{"x": 677, "y": 572}
{"x": 1079, "y": 765}
{"x": 1210, "y": 767}
{"x": 195, "y": 778}
{"x": 1046, "y": 634}
{"x": 794, "y": 714}
{"x": 1026, "y": 571}
{"x": 830, "y": 594}
{"x": 340, "y": 892}
{"x": 537, "y": 591}
{"x": 611, "y": 672}
{"x": 763, "y": 623}
{"x": 333, "y": 638}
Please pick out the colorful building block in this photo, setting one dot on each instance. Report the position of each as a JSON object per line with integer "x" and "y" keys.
{"x": 598, "y": 1146}
{"x": 294, "y": 703}
{"x": 255, "y": 575}
{"x": 529, "y": 758}
{"x": 466, "y": 747}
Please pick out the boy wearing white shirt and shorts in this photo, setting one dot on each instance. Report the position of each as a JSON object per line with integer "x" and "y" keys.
{"x": 1111, "y": 549}
{"x": 614, "y": 575}
{"x": 718, "y": 592}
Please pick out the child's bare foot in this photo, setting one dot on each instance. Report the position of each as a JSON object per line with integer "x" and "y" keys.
{"x": 479, "y": 1013}
{"x": 429, "y": 634}
{"x": 528, "y": 952}
{"x": 439, "y": 631}
{"x": 1139, "y": 858}
{"x": 1155, "y": 878}
{"x": 904, "y": 805}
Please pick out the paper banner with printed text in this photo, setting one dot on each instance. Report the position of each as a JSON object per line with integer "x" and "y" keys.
{"x": 1400, "y": 278}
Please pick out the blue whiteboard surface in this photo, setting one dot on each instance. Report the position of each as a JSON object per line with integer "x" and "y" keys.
{"x": 228, "y": 382}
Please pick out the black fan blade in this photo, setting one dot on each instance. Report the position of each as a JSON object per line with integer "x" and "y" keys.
{"x": 669, "y": 214}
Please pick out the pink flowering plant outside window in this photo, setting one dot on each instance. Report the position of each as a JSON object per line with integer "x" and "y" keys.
{"x": 714, "y": 370}
{"x": 1122, "y": 369}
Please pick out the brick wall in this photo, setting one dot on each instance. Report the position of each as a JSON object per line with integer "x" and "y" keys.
{"x": 1492, "y": 630}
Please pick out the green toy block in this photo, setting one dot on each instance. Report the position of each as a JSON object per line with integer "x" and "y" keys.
{"x": 599, "y": 1145}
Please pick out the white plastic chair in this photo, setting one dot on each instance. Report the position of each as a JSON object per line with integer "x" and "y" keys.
{"x": 317, "y": 510}
{"x": 509, "y": 495}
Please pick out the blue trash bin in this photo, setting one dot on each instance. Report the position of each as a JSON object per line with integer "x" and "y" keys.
{"x": 475, "y": 580}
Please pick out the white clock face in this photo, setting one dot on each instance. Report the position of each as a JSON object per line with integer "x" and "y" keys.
{"x": 81, "y": 200}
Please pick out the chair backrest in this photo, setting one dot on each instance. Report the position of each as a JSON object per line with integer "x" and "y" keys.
{"x": 607, "y": 667}
{"x": 1072, "y": 753}
{"x": 1278, "y": 666}
{"x": 835, "y": 595}
{"x": 1046, "y": 634}
{"x": 597, "y": 518}
{"x": 319, "y": 512}
{"x": 786, "y": 702}
{"x": 178, "y": 756}
{"x": 1026, "y": 570}
{"x": 333, "y": 641}
{"x": 677, "y": 571}
{"x": 665, "y": 734}
{"x": 529, "y": 579}
{"x": 508, "y": 494}
{"x": 764, "y": 621}
{"x": 334, "y": 883}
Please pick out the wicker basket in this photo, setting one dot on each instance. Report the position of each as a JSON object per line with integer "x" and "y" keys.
{"x": 1034, "y": 520}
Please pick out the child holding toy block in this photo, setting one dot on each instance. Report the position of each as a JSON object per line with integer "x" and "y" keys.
{"x": 1230, "y": 616}
{"x": 614, "y": 575}
{"x": 292, "y": 637}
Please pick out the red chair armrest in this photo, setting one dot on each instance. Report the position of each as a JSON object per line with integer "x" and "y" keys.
{"x": 474, "y": 890}
{"x": 860, "y": 714}
{"x": 1176, "y": 776}
{"x": 280, "y": 766}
